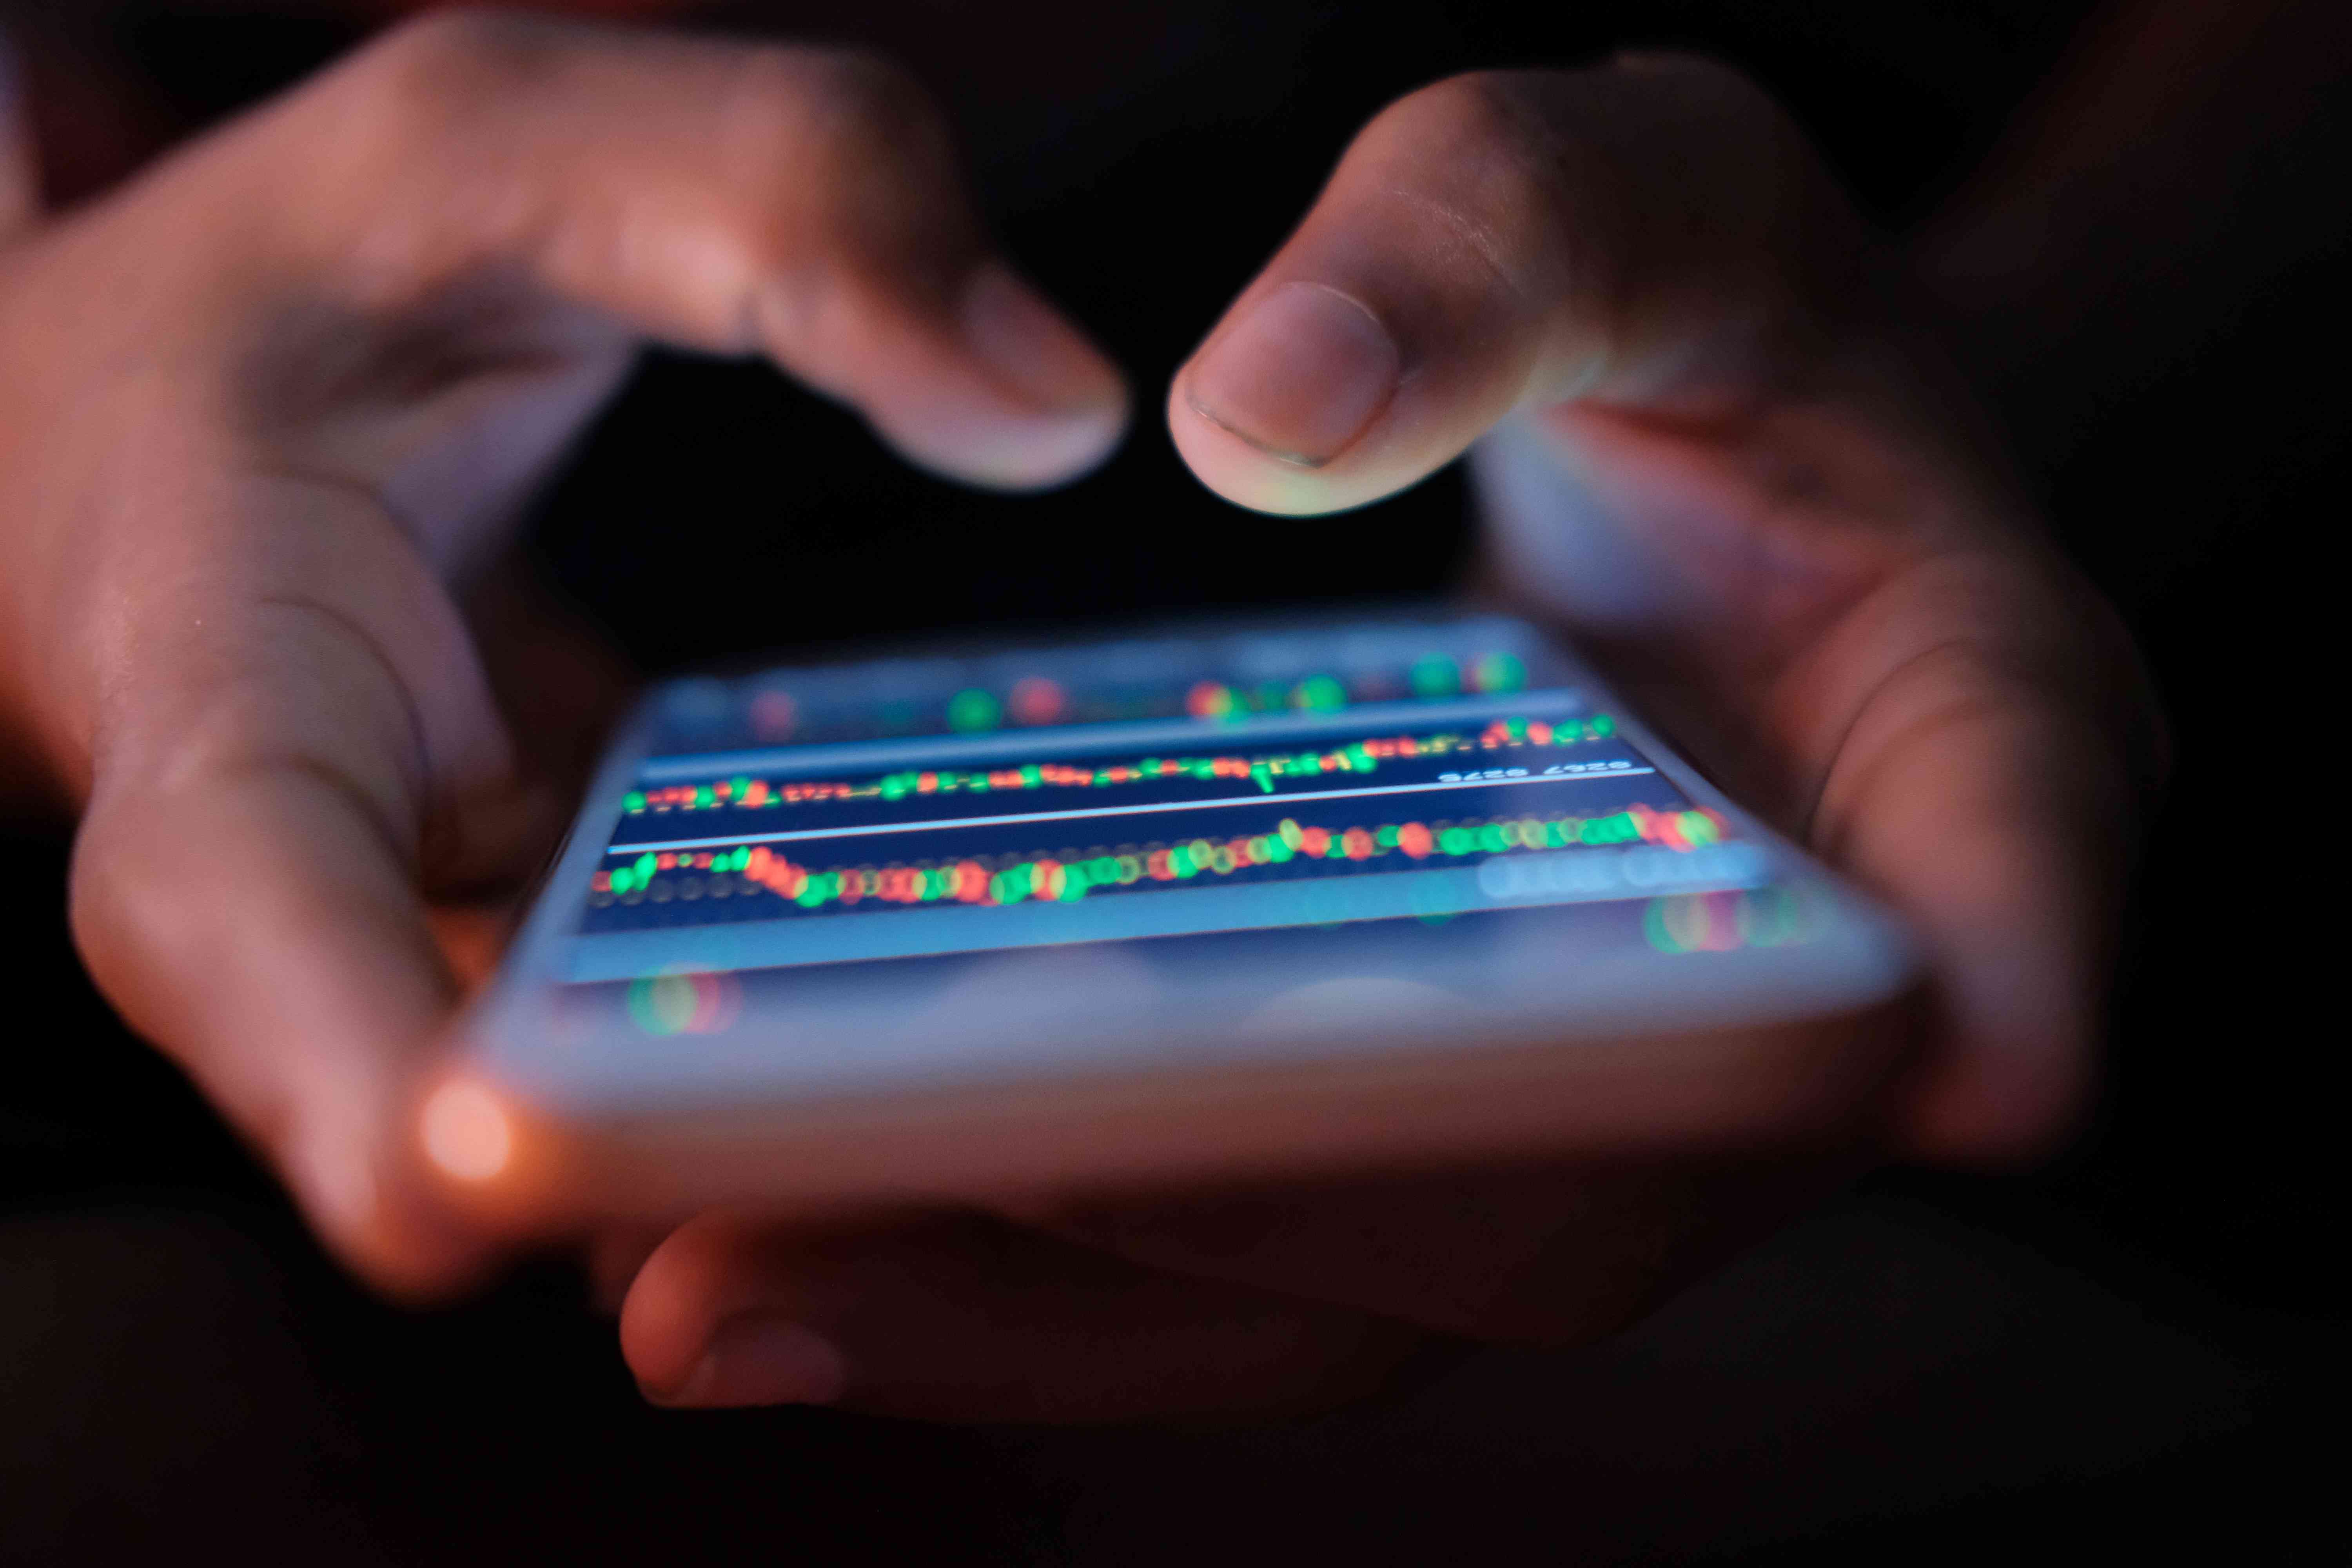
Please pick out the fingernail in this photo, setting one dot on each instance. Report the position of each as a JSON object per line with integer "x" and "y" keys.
{"x": 757, "y": 1360}
{"x": 1031, "y": 348}
{"x": 1068, "y": 404}
{"x": 1301, "y": 376}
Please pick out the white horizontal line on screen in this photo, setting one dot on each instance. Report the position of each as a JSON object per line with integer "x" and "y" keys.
{"x": 878, "y": 828}
{"x": 1061, "y": 740}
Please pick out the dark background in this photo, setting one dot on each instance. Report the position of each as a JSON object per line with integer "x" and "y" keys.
{"x": 177, "y": 1364}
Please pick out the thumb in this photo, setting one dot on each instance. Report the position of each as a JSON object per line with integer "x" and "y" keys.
{"x": 272, "y": 806}
{"x": 1653, "y": 231}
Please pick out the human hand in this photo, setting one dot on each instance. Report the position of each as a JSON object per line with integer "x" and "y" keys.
{"x": 1709, "y": 442}
{"x": 270, "y": 413}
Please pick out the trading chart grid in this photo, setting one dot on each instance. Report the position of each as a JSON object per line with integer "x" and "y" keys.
{"x": 1116, "y": 793}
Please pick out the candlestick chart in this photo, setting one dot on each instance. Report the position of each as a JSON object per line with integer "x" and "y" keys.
{"x": 747, "y": 870}
{"x": 1067, "y": 829}
{"x": 1264, "y": 771}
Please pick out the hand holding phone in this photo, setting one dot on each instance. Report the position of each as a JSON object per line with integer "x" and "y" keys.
{"x": 1212, "y": 909}
{"x": 273, "y": 411}
{"x": 238, "y": 647}
{"x": 1720, "y": 456}
{"x": 1209, "y": 904}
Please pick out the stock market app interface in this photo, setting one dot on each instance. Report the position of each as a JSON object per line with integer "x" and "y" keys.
{"x": 1155, "y": 787}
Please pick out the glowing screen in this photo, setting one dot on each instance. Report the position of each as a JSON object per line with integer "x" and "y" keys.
{"x": 1142, "y": 789}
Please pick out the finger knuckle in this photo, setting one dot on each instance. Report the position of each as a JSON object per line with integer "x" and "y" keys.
{"x": 449, "y": 70}
{"x": 849, "y": 114}
{"x": 1576, "y": 188}
{"x": 1703, "y": 87}
{"x": 867, "y": 162}
{"x": 1722, "y": 116}
{"x": 1544, "y": 135}
{"x": 862, "y": 89}
{"x": 1510, "y": 142}
{"x": 1486, "y": 173}
{"x": 1470, "y": 102}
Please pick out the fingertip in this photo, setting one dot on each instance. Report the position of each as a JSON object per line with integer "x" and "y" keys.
{"x": 757, "y": 1359}
{"x": 1298, "y": 404}
{"x": 2014, "y": 1078}
{"x": 404, "y": 1247}
{"x": 1994, "y": 1114}
{"x": 376, "y": 1214}
{"x": 1237, "y": 469}
{"x": 1033, "y": 349}
{"x": 995, "y": 387}
{"x": 1061, "y": 404}
{"x": 1298, "y": 373}
{"x": 1273, "y": 413}
{"x": 999, "y": 448}
{"x": 667, "y": 1312}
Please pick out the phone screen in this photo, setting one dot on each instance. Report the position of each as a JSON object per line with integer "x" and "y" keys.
{"x": 1443, "y": 815}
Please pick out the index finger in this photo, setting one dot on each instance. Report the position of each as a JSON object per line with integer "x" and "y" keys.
{"x": 805, "y": 203}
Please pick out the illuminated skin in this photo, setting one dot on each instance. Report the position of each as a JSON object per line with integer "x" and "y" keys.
{"x": 244, "y": 491}
{"x": 228, "y": 625}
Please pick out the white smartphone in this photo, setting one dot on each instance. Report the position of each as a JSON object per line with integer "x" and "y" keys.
{"x": 1228, "y": 902}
